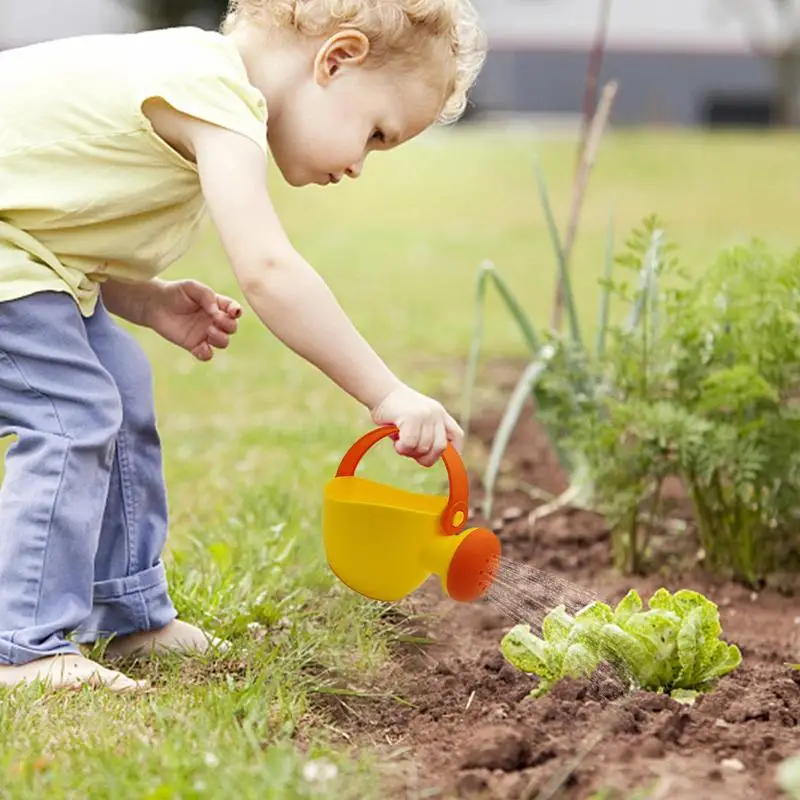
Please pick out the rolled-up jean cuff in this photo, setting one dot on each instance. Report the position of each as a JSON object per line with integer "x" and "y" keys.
{"x": 120, "y": 588}
{"x": 11, "y": 653}
{"x": 134, "y": 604}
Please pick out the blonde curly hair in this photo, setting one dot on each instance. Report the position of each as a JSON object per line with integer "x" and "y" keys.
{"x": 413, "y": 29}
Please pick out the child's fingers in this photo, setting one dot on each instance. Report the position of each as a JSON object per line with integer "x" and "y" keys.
{"x": 201, "y": 294}
{"x": 203, "y": 352}
{"x": 217, "y": 338}
{"x": 408, "y": 440}
{"x": 231, "y": 308}
{"x": 425, "y": 442}
{"x": 454, "y": 433}
{"x": 225, "y": 324}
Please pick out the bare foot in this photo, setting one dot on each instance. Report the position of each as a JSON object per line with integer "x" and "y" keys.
{"x": 68, "y": 672}
{"x": 176, "y": 637}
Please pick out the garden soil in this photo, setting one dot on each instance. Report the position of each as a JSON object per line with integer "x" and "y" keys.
{"x": 471, "y": 731}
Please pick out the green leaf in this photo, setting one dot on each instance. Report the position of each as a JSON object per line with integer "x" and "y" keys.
{"x": 596, "y": 614}
{"x": 488, "y": 274}
{"x": 662, "y": 599}
{"x": 552, "y": 658}
{"x": 685, "y": 696}
{"x": 509, "y": 421}
{"x": 647, "y": 279}
{"x": 557, "y": 625}
{"x": 475, "y": 347}
{"x": 685, "y": 601}
{"x": 605, "y": 294}
{"x": 520, "y": 317}
{"x": 630, "y": 604}
{"x": 724, "y": 659}
{"x": 543, "y": 688}
{"x": 634, "y": 657}
{"x": 528, "y": 653}
{"x": 716, "y": 661}
{"x": 734, "y": 389}
{"x": 580, "y": 661}
{"x": 659, "y": 629}
{"x": 691, "y": 645}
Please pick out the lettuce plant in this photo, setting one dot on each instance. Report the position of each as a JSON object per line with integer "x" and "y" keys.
{"x": 672, "y": 647}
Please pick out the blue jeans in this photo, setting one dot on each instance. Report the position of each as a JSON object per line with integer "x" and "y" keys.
{"x": 83, "y": 507}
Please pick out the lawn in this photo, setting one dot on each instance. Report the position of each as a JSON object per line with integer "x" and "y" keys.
{"x": 251, "y": 438}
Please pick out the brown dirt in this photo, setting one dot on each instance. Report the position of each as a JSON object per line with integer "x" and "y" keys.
{"x": 472, "y": 731}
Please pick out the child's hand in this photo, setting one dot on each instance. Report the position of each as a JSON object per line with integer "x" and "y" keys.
{"x": 424, "y": 425}
{"x": 193, "y": 316}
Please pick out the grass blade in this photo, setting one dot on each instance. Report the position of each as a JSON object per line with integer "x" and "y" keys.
{"x": 605, "y": 292}
{"x": 520, "y": 317}
{"x": 486, "y": 274}
{"x": 475, "y": 346}
{"x": 569, "y": 297}
{"x": 519, "y": 396}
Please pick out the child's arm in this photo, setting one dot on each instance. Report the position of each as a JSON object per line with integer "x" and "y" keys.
{"x": 129, "y": 300}
{"x": 289, "y": 297}
{"x": 184, "y": 312}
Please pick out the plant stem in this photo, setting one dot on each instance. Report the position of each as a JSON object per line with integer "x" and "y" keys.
{"x": 633, "y": 544}
{"x": 589, "y": 116}
{"x": 593, "y": 70}
{"x": 703, "y": 518}
{"x": 619, "y": 545}
{"x": 652, "y": 517}
{"x": 750, "y": 564}
{"x": 588, "y": 155}
{"x": 730, "y": 548}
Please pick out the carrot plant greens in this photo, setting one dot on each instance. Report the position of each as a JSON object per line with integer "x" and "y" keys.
{"x": 706, "y": 392}
{"x": 698, "y": 384}
{"x": 671, "y": 647}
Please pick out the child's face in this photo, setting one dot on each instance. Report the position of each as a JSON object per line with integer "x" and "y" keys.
{"x": 345, "y": 111}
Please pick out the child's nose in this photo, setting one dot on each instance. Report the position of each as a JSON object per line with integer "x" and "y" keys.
{"x": 355, "y": 170}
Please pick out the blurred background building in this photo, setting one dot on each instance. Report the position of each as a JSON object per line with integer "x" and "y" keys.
{"x": 26, "y": 21}
{"x": 678, "y": 62}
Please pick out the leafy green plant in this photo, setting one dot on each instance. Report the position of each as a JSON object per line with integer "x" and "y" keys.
{"x": 561, "y": 377}
{"x": 558, "y": 377}
{"x": 699, "y": 383}
{"x": 706, "y": 392}
{"x": 671, "y": 647}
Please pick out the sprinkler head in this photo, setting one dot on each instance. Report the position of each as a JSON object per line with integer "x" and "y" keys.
{"x": 473, "y": 566}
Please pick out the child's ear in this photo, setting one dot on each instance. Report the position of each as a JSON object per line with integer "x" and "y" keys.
{"x": 343, "y": 49}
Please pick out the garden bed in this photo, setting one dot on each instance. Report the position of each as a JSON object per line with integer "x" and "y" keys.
{"x": 472, "y": 732}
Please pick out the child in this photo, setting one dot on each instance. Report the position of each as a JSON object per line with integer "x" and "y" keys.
{"x": 111, "y": 149}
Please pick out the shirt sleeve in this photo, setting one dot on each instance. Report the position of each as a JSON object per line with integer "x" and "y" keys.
{"x": 201, "y": 75}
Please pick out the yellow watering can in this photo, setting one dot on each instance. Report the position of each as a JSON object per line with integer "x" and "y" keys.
{"x": 384, "y": 543}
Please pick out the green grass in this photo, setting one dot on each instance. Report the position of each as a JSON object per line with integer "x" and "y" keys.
{"x": 251, "y": 439}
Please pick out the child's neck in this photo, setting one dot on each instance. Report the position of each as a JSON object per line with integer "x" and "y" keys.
{"x": 275, "y": 65}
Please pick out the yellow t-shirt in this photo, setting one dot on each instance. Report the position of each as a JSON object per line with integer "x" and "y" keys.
{"x": 88, "y": 191}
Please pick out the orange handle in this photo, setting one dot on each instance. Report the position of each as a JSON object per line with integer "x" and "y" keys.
{"x": 457, "y": 509}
